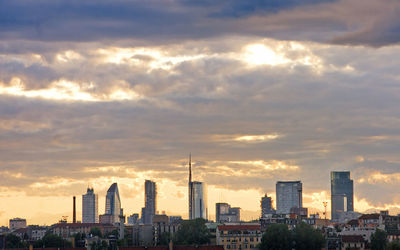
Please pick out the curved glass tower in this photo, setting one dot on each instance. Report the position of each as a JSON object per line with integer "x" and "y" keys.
{"x": 113, "y": 202}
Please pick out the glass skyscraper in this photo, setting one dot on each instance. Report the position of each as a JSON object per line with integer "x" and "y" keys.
{"x": 90, "y": 212}
{"x": 113, "y": 202}
{"x": 199, "y": 202}
{"x": 289, "y": 194}
{"x": 341, "y": 193}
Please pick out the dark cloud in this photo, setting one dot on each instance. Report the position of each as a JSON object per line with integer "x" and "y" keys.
{"x": 370, "y": 22}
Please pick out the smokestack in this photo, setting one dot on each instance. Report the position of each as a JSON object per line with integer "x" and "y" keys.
{"x": 74, "y": 211}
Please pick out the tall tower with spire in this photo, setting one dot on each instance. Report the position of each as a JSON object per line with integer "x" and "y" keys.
{"x": 190, "y": 189}
{"x": 198, "y": 207}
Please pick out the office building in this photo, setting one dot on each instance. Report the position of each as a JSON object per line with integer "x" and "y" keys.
{"x": 225, "y": 213}
{"x": 90, "y": 213}
{"x": 341, "y": 194}
{"x": 289, "y": 194}
{"x": 150, "y": 194}
{"x": 133, "y": 219}
{"x": 266, "y": 206}
{"x": 198, "y": 207}
{"x": 113, "y": 203}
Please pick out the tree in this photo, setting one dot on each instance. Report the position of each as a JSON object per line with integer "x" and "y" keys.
{"x": 192, "y": 232}
{"x": 379, "y": 240}
{"x": 52, "y": 240}
{"x": 164, "y": 239}
{"x": 394, "y": 245}
{"x": 306, "y": 238}
{"x": 276, "y": 237}
{"x": 13, "y": 241}
{"x": 95, "y": 231}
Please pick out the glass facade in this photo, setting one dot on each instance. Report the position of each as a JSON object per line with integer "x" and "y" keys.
{"x": 341, "y": 193}
{"x": 113, "y": 202}
{"x": 199, "y": 201}
{"x": 289, "y": 194}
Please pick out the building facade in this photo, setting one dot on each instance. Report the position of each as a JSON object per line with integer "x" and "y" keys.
{"x": 342, "y": 193}
{"x": 150, "y": 195}
{"x": 17, "y": 223}
{"x": 289, "y": 194}
{"x": 225, "y": 213}
{"x": 198, "y": 206}
{"x": 199, "y": 202}
{"x": 266, "y": 206}
{"x": 113, "y": 202}
{"x": 240, "y": 236}
{"x": 90, "y": 212}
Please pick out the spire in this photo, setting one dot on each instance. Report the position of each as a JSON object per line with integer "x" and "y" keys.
{"x": 190, "y": 168}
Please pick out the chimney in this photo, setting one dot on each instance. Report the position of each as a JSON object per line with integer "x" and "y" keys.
{"x": 74, "y": 211}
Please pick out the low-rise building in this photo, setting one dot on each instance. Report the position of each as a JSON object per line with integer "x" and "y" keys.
{"x": 67, "y": 230}
{"x": 352, "y": 242}
{"x": 239, "y": 236}
{"x": 17, "y": 223}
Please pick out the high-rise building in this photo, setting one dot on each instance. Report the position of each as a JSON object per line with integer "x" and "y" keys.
{"x": 113, "y": 202}
{"x": 90, "y": 212}
{"x": 341, "y": 193}
{"x": 266, "y": 206}
{"x": 288, "y": 195}
{"x": 150, "y": 194}
{"x": 225, "y": 213}
{"x": 198, "y": 207}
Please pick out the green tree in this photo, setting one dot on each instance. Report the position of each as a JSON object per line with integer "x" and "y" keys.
{"x": 95, "y": 231}
{"x": 306, "y": 237}
{"x": 164, "y": 239}
{"x": 13, "y": 241}
{"x": 52, "y": 240}
{"x": 379, "y": 240}
{"x": 394, "y": 245}
{"x": 276, "y": 237}
{"x": 192, "y": 232}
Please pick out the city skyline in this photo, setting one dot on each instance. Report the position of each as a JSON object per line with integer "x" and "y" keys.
{"x": 107, "y": 92}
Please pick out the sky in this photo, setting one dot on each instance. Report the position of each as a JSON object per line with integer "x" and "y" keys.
{"x": 101, "y": 91}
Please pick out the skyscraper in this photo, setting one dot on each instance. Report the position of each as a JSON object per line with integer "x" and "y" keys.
{"x": 113, "y": 202}
{"x": 266, "y": 206}
{"x": 198, "y": 207}
{"x": 341, "y": 193}
{"x": 90, "y": 207}
{"x": 150, "y": 194}
{"x": 288, "y": 195}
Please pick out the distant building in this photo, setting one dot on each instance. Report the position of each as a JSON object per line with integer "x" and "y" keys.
{"x": 90, "y": 212}
{"x": 133, "y": 219}
{"x": 198, "y": 207}
{"x": 67, "y": 230}
{"x": 150, "y": 194}
{"x": 266, "y": 206}
{"x": 113, "y": 202}
{"x": 17, "y": 223}
{"x": 175, "y": 219}
{"x": 289, "y": 194}
{"x": 225, "y": 213}
{"x": 107, "y": 219}
{"x": 341, "y": 194}
{"x": 352, "y": 242}
{"x": 239, "y": 236}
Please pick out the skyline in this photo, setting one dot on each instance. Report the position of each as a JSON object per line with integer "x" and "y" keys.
{"x": 121, "y": 91}
{"x": 114, "y": 186}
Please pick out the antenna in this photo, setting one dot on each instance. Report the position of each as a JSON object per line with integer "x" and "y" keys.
{"x": 190, "y": 167}
{"x": 325, "y": 204}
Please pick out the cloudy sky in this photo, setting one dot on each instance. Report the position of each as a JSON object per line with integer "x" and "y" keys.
{"x": 101, "y": 91}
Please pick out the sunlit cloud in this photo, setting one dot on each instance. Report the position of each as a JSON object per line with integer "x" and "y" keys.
{"x": 256, "y": 138}
{"x": 66, "y": 56}
{"x": 64, "y": 90}
{"x": 271, "y": 165}
{"x": 378, "y": 177}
